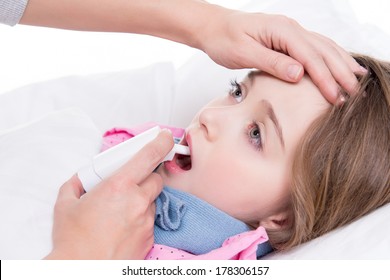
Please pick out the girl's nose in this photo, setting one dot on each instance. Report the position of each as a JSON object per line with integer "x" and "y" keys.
{"x": 212, "y": 121}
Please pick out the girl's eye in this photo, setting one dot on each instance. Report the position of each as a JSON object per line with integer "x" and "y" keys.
{"x": 235, "y": 91}
{"x": 254, "y": 135}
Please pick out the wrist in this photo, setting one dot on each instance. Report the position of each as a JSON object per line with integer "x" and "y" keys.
{"x": 206, "y": 25}
{"x": 214, "y": 24}
{"x": 83, "y": 252}
{"x": 56, "y": 255}
{"x": 186, "y": 22}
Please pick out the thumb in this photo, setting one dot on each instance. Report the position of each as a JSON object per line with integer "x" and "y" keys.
{"x": 71, "y": 189}
{"x": 147, "y": 159}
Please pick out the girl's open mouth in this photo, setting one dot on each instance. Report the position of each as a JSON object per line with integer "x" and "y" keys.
{"x": 180, "y": 163}
{"x": 183, "y": 161}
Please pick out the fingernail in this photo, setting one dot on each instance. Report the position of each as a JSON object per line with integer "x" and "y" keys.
{"x": 363, "y": 70}
{"x": 167, "y": 130}
{"x": 340, "y": 100}
{"x": 293, "y": 71}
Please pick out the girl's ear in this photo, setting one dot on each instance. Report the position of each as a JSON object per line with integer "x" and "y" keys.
{"x": 277, "y": 222}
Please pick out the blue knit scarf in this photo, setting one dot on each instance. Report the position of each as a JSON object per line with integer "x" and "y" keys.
{"x": 186, "y": 222}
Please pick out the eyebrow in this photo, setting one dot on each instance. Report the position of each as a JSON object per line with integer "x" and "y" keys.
{"x": 275, "y": 121}
{"x": 270, "y": 110}
{"x": 251, "y": 75}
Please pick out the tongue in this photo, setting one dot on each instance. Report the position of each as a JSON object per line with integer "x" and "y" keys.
{"x": 184, "y": 162}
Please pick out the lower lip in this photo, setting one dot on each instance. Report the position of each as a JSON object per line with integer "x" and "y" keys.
{"x": 171, "y": 166}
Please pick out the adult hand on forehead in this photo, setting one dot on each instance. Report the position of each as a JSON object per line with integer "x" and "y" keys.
{"x": 234, "y": 39}
{"x": 280, "y": 46}
{"x": 115, "y": 220}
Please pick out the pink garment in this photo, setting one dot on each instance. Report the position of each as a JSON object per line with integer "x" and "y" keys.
{"x": 118, "y": 135}
{"x": 239, "y": 247}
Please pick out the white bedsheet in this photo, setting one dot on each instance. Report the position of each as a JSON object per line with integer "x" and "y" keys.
{"x": 36, "y": 157}
{"x": 29, "y": 183}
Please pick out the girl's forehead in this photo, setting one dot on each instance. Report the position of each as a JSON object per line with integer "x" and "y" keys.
{"x": 267, "y": 84}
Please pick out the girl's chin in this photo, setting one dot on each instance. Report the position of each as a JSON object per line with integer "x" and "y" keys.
{"x": 174, "y": 181}
{"x": 173, "y": 176}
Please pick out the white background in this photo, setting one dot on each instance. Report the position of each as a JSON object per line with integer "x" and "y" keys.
{"x": 32, "y": 54}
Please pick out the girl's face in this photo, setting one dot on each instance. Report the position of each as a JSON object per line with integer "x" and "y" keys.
{"x": 242, "y": 147}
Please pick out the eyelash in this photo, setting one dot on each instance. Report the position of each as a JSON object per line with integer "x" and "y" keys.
{"x": 236, "y": 93}
{"x": 258, "y": 141}
{"x": 236, "y": 89}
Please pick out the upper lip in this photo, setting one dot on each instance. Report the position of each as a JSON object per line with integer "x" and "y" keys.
{"x": 187, "y": 141}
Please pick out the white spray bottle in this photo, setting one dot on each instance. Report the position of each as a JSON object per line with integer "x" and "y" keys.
{"x": 105, "y": 163}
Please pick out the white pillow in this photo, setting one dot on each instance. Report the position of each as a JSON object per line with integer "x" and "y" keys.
{"x": 367, "y": 238}
{"x": 36, "y": 159}
{"x": 110, "y": 99}
{"x": 196, "y": 83}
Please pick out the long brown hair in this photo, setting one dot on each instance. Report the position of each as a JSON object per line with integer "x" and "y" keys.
{"x": 342, "y": 167}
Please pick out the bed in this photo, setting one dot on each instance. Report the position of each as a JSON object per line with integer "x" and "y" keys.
{"x": 50, "y": 129}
